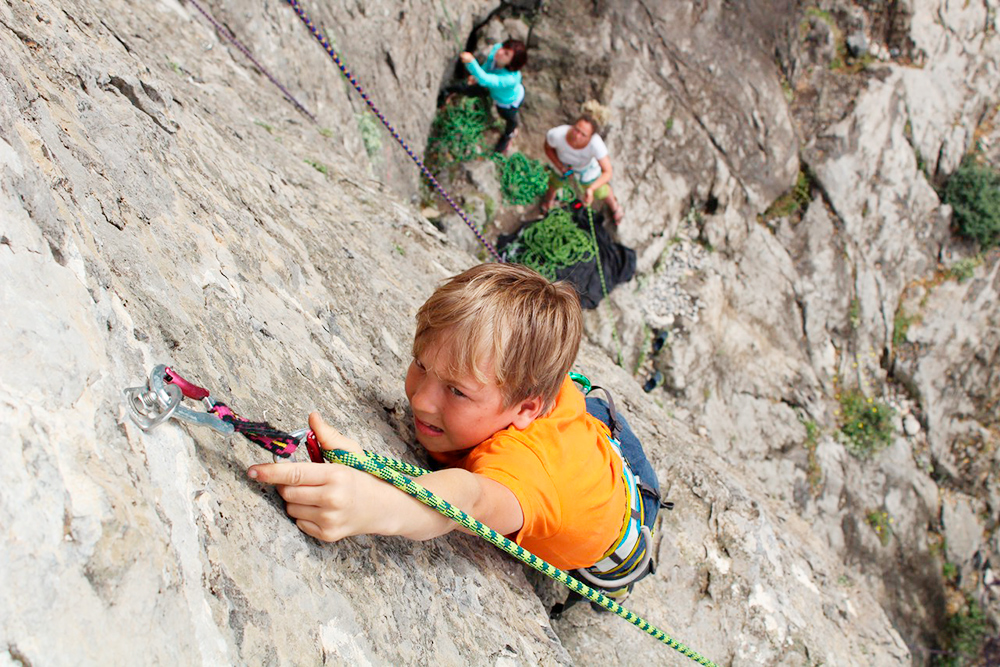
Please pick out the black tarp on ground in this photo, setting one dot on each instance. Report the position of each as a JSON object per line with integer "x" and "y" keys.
{"x": 617, "y": 260}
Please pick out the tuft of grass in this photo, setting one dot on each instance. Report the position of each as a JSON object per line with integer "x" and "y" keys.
{"x": 318, "y": 166}
{"x": 814, "y": 473}
{"x": 669, "y": 125}
{"x": 489, "y": 207}
{"x": 854, "y": 313}
{"x": 270, "y": 130}
{"x": 326, "y": 132}
{"x": 881, "y": 523}
{"x": 368, "y": 125}
{"x": 964, "y": 269}
{"x": 865, "y": 424}
{"x": 795, "y": 201}
{"x": 900, "y": 326}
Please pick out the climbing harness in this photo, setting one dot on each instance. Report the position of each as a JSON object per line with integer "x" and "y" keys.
{"x": 630, "y": 559}
{"x": 321, "y": 38}
{"x": 161, "y": 399}
{"x": 225, "y": 32}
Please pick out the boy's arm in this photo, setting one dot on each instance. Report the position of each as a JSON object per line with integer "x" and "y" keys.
{"x": 331, "y": 502}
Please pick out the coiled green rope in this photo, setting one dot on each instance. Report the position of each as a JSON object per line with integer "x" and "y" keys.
{"x": 522, "y": 179}
{"x": 551, "y": 244}
{"x": 389, "y": 470}
{"x": 457, "y": 133}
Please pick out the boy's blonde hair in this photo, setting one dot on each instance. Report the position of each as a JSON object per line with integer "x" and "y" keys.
{"x": 509, "y": 316}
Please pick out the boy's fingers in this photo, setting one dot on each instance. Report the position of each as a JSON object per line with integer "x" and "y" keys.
{"x": 289, "y": 474}
{"x": 301, "y": 495}
{"x": 310, "y": 528}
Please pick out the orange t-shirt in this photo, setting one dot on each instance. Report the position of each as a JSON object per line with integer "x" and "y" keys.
{"x": 566, "y": 477}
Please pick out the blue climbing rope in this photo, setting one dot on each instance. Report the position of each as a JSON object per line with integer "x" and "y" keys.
{"x": 325, "y": 43}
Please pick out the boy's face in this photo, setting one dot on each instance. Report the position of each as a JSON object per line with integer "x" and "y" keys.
{"x": 455, "y": 413}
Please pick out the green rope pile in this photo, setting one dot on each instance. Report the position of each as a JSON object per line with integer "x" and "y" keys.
{"x": 522, "y": 180}
{"x": 389, "y": 470}
{"x": 551, "y": 244}
{"x": 457, "y": 133}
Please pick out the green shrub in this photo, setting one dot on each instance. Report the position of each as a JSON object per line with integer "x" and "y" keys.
{"x": 974, "y": 194}
{"x": 965, "y": 635}
{"x": 865, "y": 423}
{"x": 964, "y": 269}
{"x": 793, "y": 202}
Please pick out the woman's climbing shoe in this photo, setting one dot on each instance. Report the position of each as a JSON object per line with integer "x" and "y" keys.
{"x": 655, "y": 380}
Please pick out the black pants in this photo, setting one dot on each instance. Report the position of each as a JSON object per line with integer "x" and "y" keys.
{"x": 509, "y": 114}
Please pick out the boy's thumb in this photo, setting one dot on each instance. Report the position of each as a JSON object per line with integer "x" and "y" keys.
{"x": 329, "y": 437}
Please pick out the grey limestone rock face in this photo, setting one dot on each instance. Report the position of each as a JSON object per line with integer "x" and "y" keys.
{"x": 778, "y": 318}
{"x": 160, "y": 202}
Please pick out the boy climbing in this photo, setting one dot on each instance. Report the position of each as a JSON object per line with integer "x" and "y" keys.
{"x": 500, "y": 78}
{"x": 577, "y": 150}
{"x": 523, "y": 451}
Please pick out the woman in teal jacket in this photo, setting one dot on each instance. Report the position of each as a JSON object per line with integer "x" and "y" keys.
{"x": 500, "y": 78}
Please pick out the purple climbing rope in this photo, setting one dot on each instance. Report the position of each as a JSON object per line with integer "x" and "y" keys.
{"x": 232, "y": 38}
{"x": 402, "y": 142}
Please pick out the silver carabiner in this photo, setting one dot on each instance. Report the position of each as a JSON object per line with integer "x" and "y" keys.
{"x": 300, "y": 435}
{"x": 152, "y": 405}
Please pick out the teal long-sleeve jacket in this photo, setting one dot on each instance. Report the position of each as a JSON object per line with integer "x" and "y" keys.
{"x": 505, "y": 87}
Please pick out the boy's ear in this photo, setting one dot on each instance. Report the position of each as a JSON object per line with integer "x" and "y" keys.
{"x": 527, "y": 411}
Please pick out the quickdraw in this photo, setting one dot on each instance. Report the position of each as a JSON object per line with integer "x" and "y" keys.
{"x": 161, "y": 399}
